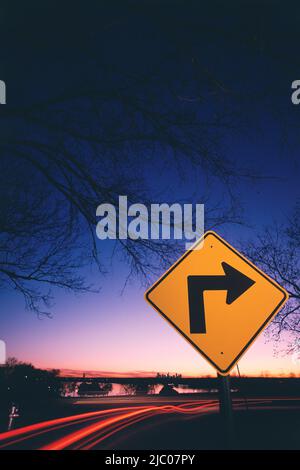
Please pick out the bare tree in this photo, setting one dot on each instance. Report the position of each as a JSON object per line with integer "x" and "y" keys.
{"x": 277, "y": 252}
{"x": 63, "y": 156}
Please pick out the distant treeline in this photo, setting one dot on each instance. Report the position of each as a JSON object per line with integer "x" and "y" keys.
{"x": 21, "y": 382}
{"x": 289, "y": 386}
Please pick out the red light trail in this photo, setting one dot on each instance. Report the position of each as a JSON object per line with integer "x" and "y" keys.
{"x": 95, "y": 427}
{"x": 110, "y": 422}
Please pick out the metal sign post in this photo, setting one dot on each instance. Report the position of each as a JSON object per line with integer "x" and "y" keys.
{"x": 226, "y": 410}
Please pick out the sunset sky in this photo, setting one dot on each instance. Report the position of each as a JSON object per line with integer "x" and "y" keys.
{"x": 116, "y": 332}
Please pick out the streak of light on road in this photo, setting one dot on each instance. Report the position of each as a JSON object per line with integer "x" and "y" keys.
{"x": 88, "y": 430}
{"x": 36, "y": 429}
{"x": 109, "y": 427}
{"x": 106, "y": 421}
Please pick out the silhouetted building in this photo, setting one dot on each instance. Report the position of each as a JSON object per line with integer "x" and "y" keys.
{"x": 168, "y": 391}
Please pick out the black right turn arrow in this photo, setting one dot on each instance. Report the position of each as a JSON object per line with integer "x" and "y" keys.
{"x": 235, "y": 282}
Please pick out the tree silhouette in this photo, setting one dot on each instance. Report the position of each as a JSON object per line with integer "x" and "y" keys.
{"x": 141, "y": 388}
{"x": 63, "y": 155}
{"x": 22, "y": 382}
{"x": 277, "y": 252}
{"x": 67, "y": 159}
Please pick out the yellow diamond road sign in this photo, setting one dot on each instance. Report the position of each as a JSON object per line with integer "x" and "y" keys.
{"x": 217, "y": 299}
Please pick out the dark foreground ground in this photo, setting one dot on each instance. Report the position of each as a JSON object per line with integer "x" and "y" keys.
{"x": 152, "y": 422}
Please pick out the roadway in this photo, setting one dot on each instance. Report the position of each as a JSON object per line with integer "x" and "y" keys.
{"x": 154, "y": 422}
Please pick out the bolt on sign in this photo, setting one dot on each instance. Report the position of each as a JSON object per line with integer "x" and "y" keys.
{"x": 217, "y": 299}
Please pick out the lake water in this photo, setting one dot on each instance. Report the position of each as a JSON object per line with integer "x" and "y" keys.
{"x": 119, "y": 390}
